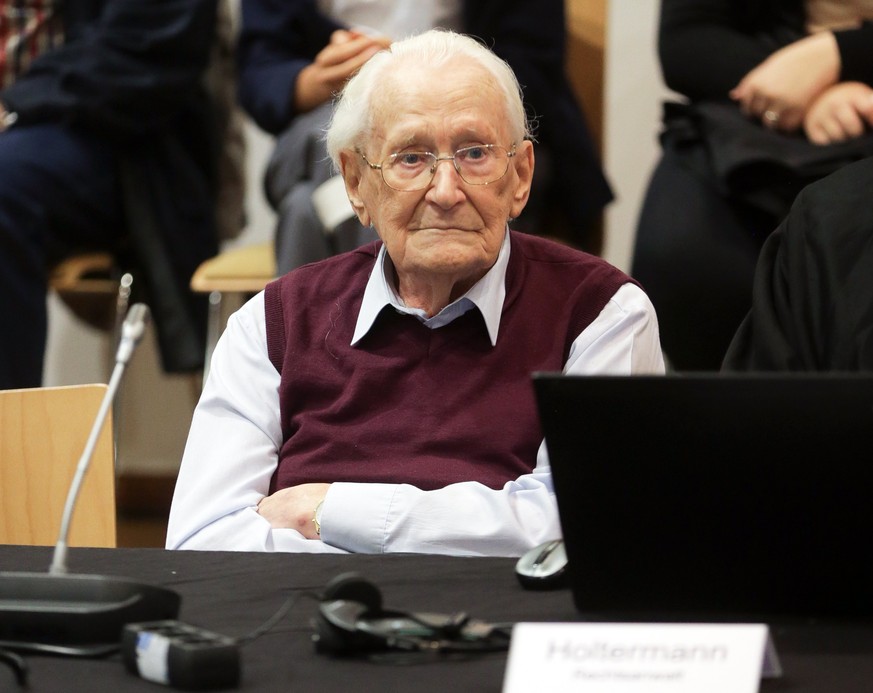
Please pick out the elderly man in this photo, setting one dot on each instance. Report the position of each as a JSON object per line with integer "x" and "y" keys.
{"x": 381, "y": 400}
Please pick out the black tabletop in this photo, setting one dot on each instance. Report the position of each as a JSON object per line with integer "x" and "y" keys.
{"x": 235, "y": 593}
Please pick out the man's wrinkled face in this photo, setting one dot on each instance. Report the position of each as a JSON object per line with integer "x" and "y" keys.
{"x": 450, "y": 227}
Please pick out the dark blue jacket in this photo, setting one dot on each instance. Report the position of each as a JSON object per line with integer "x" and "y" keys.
{"x": 131, "y": 71}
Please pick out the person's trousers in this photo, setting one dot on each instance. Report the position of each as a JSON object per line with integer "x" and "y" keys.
{"x": 298, "y": 165}
{"x": 59, "y": 193}
{"x": 695, "y": 254}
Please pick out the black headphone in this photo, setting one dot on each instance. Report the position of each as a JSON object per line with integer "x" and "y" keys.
{"x": 352, "y": 621}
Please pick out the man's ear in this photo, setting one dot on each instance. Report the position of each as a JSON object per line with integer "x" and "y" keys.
{"x": 524, "y": 168}
{"x": 352, "y": 171}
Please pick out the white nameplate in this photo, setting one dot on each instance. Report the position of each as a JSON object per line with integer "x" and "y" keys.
{"x": 631, "y": 657}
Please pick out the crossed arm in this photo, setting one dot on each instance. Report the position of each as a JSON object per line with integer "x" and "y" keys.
{"x": 799, "y": 86}
{"x": 820, "y": 83}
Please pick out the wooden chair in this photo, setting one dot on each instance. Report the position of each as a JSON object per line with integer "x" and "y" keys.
{"x": 94, "y": 289}
{"x": 243, "y": 271}
{"x": 43, "y": 432}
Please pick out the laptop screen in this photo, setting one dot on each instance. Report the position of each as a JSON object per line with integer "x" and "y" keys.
{"x": 714, "y": 496}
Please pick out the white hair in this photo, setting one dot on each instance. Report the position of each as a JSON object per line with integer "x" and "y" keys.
{"x": 352, "y": 122}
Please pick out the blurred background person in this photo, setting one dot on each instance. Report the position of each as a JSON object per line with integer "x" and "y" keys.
{"x": 778, "y": 95}
{"x": 812, "y": 301}
{"x": 107, "y": 142}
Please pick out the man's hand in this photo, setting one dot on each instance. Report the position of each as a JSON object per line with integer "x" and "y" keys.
{"x": 294, "y": 508}
{"x": 781, "y": 89}
{"x": 6, "y": 118}
{"x": 339, "y": 60}
{"x": 841, "y": 113}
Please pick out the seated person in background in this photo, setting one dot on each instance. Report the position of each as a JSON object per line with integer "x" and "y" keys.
{"x": 381, "y": 400}
{"x": 105, "y": 144}
{"x": 812, "y": 307}
{"x": 779, "y": 94}
{"x": 295, "y": 54}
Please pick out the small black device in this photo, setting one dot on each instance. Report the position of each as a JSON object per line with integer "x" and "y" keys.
{"x": 180, "y": 655}
{"x": 351, "y": 621}
{"x": 543, "y": 567}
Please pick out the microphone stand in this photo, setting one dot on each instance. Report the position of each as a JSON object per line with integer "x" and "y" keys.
{"x": 84, "y": 615}
{"x": 132, "y": 331}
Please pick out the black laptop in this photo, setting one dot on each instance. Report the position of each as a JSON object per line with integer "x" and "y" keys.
{"x": 712, "y": 497}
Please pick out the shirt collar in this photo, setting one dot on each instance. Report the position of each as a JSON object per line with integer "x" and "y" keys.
{"x": 487, "y": 295}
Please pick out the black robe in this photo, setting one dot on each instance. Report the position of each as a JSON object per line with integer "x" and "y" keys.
{"x": 812, "y": 304}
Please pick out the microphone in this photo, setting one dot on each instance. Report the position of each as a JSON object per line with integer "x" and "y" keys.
{"x": 84, "y": 615}
{"x": 132, "y": 330}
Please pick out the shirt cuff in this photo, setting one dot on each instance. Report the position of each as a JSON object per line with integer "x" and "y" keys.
{"x": 355, "y": 516}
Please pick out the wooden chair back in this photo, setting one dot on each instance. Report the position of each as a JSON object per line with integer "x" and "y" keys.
{"x": 242, "y": 272}
{"x": 43, "y": 432}
{"x": 586, "y": 58}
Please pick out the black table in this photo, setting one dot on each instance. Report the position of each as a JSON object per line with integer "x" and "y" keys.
{"x": 234, "y": 593}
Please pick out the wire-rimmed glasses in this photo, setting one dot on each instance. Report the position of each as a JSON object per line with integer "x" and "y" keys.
{"x": 480, "y": 164}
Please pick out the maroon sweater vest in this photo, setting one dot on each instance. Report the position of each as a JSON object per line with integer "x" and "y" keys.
{"x": 409, "y": 404}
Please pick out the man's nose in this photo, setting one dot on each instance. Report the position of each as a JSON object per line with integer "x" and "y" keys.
{"x": 445, "y": 188}
{"x": 445, "y": 172}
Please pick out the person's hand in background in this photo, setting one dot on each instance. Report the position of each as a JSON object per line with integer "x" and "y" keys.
{"x": 781, "y": 89}
{"x": 334, "y": 64}
{"x": 842, "y": 112}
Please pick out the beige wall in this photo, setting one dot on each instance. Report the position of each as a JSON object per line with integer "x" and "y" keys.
{"x": 156, "y": 409}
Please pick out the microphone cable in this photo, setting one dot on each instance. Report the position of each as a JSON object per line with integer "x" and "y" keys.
{"x": 18, "y": 665}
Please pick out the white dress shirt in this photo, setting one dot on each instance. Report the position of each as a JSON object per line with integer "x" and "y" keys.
{"x": 394, "y": 18}
{"x": 235, "y": 437}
